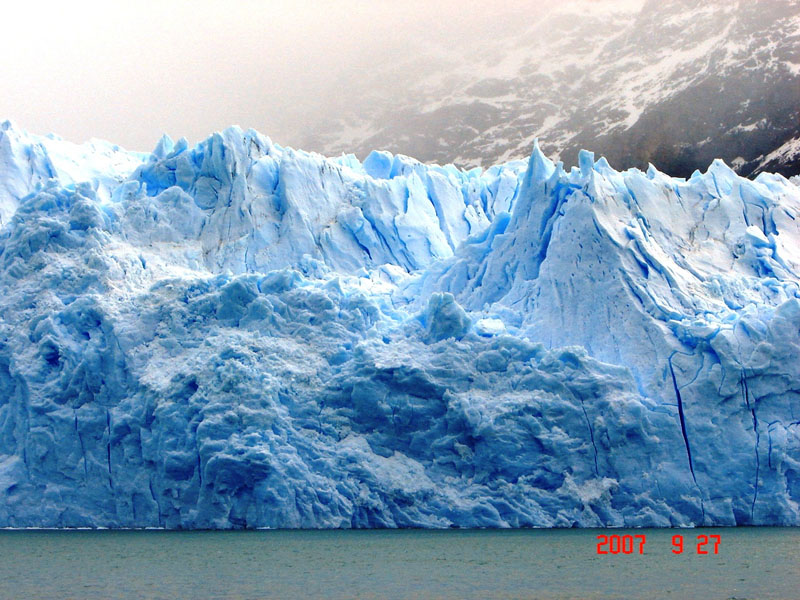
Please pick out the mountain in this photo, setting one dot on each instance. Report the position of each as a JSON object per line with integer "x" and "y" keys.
{"x": 669, "y": 82}
{"x": 244, "y": 335}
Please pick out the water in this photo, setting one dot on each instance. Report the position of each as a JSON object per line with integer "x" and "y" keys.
{"x": 430, "y": 565}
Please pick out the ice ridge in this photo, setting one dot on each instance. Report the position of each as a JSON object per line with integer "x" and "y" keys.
{"x": 238, "y": 334}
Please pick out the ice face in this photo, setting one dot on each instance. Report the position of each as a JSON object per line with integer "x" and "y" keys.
{"x": 244, "y": 335}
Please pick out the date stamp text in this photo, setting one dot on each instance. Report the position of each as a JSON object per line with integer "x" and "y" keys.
{"x": 634, "y": 544}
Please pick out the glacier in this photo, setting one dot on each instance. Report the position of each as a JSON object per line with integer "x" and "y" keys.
{"x": 242, "y": 335}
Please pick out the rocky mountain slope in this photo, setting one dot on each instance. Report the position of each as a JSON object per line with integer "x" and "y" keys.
{"x": 671, "y": 82}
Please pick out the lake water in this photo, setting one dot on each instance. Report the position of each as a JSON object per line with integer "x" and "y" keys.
{"x": 455, "y": 564}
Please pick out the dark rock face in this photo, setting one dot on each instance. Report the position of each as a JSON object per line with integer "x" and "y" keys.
{"x": 673, "y": 83}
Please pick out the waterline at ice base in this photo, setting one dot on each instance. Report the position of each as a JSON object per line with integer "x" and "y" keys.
{"x": 244, "y": 335}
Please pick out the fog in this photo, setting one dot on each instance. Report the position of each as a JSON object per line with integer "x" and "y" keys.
{"x": 128, "y": 73}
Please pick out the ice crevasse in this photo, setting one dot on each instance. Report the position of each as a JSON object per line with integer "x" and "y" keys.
{"x": 238, "y": 334}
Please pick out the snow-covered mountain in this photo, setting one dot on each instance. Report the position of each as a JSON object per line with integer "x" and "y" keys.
{"x": 676, "y": 83}
{"x": 244, "y": 335}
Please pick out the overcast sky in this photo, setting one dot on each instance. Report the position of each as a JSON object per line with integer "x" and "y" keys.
{"x": 127, "y": 72}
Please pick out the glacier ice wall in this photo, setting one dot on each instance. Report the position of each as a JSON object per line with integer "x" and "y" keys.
{"x": 244, "y": 335}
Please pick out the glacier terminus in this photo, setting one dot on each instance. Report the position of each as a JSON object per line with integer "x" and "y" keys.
{"x": 239, "y": 334}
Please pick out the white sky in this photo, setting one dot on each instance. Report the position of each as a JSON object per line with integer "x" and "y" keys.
{"x": 127, "y": 72}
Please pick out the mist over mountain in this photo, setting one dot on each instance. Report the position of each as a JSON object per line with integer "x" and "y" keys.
{"x": 675, "y": 83}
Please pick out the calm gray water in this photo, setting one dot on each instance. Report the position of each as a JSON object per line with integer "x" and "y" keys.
{"x": 545, "y": 564}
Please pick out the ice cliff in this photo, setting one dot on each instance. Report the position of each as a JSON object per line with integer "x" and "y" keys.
{"x": 244, "y": 335}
